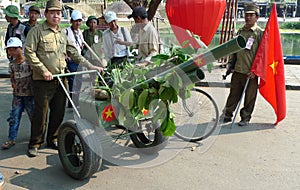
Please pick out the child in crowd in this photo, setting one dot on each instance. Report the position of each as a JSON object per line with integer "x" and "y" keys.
{"x": 21, "y": 81}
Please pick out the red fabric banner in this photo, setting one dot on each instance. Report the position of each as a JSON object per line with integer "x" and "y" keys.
{"x": 269, "y": 66}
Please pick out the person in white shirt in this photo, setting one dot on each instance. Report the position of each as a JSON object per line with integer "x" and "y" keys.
{"x": 75, "y": 36}
{"x": 115, "y": 41}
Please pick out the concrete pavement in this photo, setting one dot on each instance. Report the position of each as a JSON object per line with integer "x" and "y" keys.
{"x": 292, "y": 75}
{"x": 259, "y": 156}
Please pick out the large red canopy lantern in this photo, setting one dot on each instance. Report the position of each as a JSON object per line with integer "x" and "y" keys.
{"x": 201, "y": 17}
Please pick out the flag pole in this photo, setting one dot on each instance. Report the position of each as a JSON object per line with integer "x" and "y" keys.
{"x": 238, "y": 107}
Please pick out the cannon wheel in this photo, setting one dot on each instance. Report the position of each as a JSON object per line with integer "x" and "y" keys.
{"x": 153, "y": 140}
{"x": 199, "y": 117}
{"x": 77, "y": 151}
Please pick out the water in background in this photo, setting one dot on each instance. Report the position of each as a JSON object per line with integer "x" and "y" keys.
{"x": 290, "y": 42}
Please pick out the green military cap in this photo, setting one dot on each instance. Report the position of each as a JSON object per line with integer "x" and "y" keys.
{"x": 34, "y": 8}
{"x": 251, "y": 8}
{"x": 91, "y": 18}
{"x": 12, "y": 11}
{"x": 53, "y": 5}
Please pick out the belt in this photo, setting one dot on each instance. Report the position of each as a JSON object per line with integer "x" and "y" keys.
{"x": 118, "y": 58}
{"x": 56, "y": 79}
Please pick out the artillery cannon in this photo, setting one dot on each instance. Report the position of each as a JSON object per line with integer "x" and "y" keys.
{"x": 79, "y": 152}
{"x": 192, "y": 67}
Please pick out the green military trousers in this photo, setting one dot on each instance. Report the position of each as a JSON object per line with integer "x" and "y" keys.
{"x": 48, "y": 96}
{"x": 238, "y": 81}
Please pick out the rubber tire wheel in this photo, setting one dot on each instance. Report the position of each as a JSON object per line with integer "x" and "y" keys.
{"x": 140, "y": 140}
{"x": 68, "y": 152}
{"x": 216, "y": 119}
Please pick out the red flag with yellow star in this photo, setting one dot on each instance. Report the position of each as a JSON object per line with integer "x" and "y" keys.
{"x": 108, "y": 113}
{"x": 269, "y": 66}
{"x": 199, "y": 61}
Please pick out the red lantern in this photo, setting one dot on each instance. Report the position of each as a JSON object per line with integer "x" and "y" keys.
{"x": 201, "y": 17}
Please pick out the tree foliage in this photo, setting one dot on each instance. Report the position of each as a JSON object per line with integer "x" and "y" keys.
{"x": 152, "y": 6}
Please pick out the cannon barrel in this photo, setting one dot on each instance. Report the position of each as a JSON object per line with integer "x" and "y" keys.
{"x": 191, "y": 67}
{"x": 196, "y": 75}
{"x": 232, "y": 46}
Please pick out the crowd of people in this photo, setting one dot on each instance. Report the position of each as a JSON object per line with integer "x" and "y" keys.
{"x": 37, "y": 51}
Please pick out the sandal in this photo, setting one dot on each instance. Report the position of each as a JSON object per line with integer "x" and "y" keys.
{"x": 8, "y": 144}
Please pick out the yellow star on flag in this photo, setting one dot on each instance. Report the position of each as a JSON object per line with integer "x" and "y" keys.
{"x": 199, "y": 61}
{"x": 109, "y": 113}
{"x": 274, "y": 66}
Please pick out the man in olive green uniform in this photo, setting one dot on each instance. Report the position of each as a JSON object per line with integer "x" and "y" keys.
{"x": 45, "y": 50}
{"x": 243, "y": 62}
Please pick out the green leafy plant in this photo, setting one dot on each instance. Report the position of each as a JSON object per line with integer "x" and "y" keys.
{"x": 138, "y": 88}
{"x": 290, "y": 25}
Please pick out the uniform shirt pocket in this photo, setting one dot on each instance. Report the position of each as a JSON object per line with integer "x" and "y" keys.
{"x": 49, "y": 45}
{"x": 63, "y": 45}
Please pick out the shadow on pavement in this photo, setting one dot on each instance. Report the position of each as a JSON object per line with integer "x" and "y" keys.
{"x": 19, "y": 149}
{"x": 49, "y": 175}
{"x": 226, "y": 129}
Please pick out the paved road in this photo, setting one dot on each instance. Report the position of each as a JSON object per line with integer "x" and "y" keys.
{"x": 292, "y": 76}
{"x": 259, "y": 156}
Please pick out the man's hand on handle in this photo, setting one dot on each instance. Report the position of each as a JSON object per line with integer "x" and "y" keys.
{"x": 47, "y": 76}
{"x": 100, "y": 69}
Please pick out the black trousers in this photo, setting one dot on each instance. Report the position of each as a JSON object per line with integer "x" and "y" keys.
{"x": 118, "y": 60}
{"x": 49, "y": 96}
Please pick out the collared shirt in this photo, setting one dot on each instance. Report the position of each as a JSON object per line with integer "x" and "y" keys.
{"x": 148, "y": 42}
{"x": 246, "y": 56}
{"x": 94, "y": 40}
{"x": 27, "y": 23}
{"x": 111, "y": 49}
{"x": 45, "y": 50}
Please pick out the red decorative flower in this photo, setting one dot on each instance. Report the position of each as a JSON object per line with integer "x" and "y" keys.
{"x": 145, "y": 112}
{"x": 108, "y": 113}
